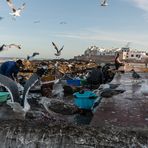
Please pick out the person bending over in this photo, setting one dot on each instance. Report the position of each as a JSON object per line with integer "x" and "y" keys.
{"x": 11, "y": 69}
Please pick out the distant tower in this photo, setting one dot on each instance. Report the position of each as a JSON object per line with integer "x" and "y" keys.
{"x": 125, "y": 50}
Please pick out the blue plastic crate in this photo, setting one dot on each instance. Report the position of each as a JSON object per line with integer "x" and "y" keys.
{"x": 84, "y": 100}
{"x": 74, "y": 82}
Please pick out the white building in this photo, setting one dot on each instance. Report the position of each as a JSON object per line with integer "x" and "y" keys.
{"x": 133, "y": 54}
{"x": 97, "y": 51}
{"x": 125, "y": 53}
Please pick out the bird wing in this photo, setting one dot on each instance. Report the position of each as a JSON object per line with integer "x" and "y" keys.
{"x": 11, "y": 5}
{"x": 28, "y": 57}
{"x": 104, "y": 2}
{"x": 34, "y": 54}
{"x": 15, "y": 106}
{"x": 55, "y": 46}
{"x": 22, "y": 7}
{"x": 2, "y": 47}
{"x": 61, "y": 49}
{"x": 57, "y": 54}
{"x": 14, "y": 45}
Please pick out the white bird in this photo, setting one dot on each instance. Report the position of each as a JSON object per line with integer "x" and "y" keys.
{"x": 15, "y": 46}
{"x": 58, "y": 50}
{"x": 15, "y": 12}
{"x": 104, "y": 3}
{"x": 18, "y": 108}
{"x": 25, "y": 106}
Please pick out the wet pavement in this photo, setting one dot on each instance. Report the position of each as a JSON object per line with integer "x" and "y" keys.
{"x": 129, "y": 109}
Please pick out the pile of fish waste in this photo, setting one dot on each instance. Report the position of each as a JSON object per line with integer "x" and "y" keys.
{"x": 58, "y": 106}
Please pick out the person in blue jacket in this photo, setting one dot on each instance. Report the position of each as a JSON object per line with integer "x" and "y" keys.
{"x": 11, "y": 69}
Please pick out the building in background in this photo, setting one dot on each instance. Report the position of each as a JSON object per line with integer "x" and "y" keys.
{"x": 100, "y": 55}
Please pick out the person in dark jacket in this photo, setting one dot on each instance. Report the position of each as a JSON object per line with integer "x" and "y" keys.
{"x": 11, "y": 69}
{"x": 96, "y": 76}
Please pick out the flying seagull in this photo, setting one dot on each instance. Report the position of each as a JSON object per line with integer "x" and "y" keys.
{"x": 36, "y": 22}
{"x": 2, "y": 47}
{"x": 104, "y": 3}
{"x": 58, "y": 50}
{"x": 15, "y": 12}
{"x": 1, "y": 17}
{"x": 15, "y": 46}
{"x": 63, "y": 23}
{"x": 33, "y": 55}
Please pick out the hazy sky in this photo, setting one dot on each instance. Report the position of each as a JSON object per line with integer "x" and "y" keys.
{"x": 87, "y": 23}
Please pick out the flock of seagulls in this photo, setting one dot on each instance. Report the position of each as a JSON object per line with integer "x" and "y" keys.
{"x": 15, "y": 12}
{"x": 58, "y": 51}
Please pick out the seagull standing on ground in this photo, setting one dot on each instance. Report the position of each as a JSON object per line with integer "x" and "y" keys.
{"x": 104, "y": 3}
{"x": 58, "y": 50}
{"x": 135, "y": 75}
{"x": 15, "y": 12}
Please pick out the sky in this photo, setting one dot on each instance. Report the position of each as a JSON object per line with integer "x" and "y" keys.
{"x": 87, "y": 24}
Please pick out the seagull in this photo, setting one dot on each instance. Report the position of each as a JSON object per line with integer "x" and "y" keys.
{"x": 18, "y": 108}
{"x": 104, "y": 3}
{"x": 1, "y": 17}
{"x": 2, "y": 47}
{"x": 14, "y": 45}
{"x": 33, "y": 55}
{"x": 36, "y": 22}
{"x": 15, "y": 12}
{"x": 62, "y": 23}
{"x": 135, "y": 75}
{"x": 58, "y": 50}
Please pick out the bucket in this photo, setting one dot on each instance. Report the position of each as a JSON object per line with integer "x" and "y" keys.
{"x": 4, "y": 96}
{"x": 85, "y": 99}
